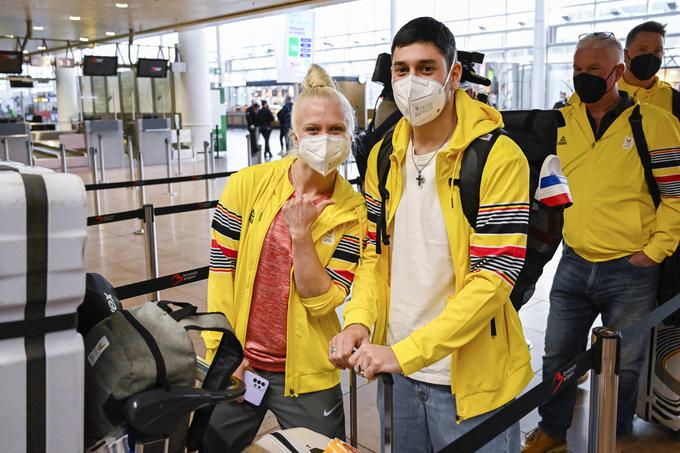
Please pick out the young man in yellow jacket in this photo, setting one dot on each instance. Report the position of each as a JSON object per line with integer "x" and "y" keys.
{"x": 436, "y": 299}
{"x": 614, "y": 236}
{"x": 644, "y": 56}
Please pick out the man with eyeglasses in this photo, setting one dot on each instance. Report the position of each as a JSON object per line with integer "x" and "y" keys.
{"x": 614, "y": 237}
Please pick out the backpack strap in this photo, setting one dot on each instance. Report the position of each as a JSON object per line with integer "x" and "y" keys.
{"x": 676, "y": 103}
{"x": 383, "y": 166}
{"x": 635, "y": 121}
{"x": 472, "y": 167}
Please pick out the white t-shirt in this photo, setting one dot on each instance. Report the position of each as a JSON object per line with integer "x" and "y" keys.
{"x": 422, "y": 270}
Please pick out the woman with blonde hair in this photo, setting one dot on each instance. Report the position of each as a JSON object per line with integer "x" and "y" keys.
{"x": 285, "y": 246}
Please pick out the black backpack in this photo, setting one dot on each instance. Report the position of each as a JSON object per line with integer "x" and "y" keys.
{"x": 535, "y": 132}
{"x": 669, "y": 275}
{"x": 365, "y": 140}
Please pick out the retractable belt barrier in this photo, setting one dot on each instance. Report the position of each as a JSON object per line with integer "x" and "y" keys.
{"x": 139, "y": 213}
{"x": 161, "y": 283}
{"x": 515, "y": 410}
{"x": 153, "y": 182}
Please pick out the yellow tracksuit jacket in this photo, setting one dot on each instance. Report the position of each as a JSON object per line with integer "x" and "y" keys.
{"x": 251, "y": 200}
{"x": 660, "y": 94}
{"x": 613, "y": 214}
{"x": 479, "y": 327}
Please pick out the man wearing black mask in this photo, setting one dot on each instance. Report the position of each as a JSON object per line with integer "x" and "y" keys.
{"x": 644, "y": 56}
{"x": 614, "y": 236}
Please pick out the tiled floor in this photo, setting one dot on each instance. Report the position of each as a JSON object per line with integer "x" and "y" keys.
{"x": 115, "y": 251}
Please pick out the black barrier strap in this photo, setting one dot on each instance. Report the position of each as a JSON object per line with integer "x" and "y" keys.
{"x": 500, "y": 421}
{"x": 165, "y": 210}
{"x": 153, "y": 182}
{"x": 161, "y": 283}
{"x": 642, "y": 327}
{"x": 513, "y": 412}
{"x": 115, "y": 217}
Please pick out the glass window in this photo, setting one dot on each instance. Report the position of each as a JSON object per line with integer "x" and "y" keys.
{"x": 561, "y": 16}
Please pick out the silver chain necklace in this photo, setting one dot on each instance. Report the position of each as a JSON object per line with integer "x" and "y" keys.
{"x": 420, "y": 179}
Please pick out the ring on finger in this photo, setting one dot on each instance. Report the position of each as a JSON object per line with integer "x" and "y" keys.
{"x": 333, "y": 350}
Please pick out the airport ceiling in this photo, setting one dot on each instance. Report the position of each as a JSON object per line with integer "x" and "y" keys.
{"x": 57, "y": 21}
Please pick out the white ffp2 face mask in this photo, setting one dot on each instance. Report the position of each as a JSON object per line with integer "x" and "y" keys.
{"x": 324, "y": 153}
{"x": 420, "y": 99}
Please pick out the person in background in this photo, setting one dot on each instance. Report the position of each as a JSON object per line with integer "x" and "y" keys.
{"x": 562, "y": 102}
{"x": 264, "y": 120}
{"x": 614, "y": 236}
{"x": 643, "y": 57}
{"x": 251, "y": 120}
{"x": 283, "y": 116}
{"x": 286, "y": 240}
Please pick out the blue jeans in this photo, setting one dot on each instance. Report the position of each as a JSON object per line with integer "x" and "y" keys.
{"x": 622, "y": 293}
{"x": 425, "y": 419}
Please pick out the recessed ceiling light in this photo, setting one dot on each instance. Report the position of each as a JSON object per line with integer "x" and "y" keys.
{"x": 9, "y": 36}
{"x": 42, "y": 48}
{"x": 83, "y": 39}
{"x": 25, "y": 51}
{"x": 121, "y": 5}
{"x": 38, "y": 28}
{"x": 110, "y": 33}
{"x": 74, "y": 17}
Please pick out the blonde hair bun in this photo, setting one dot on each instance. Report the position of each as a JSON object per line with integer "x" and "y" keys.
{"x": 317, "y": 77}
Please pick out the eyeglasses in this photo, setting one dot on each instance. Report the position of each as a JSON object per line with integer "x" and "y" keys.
{"x": 597, "y": 34}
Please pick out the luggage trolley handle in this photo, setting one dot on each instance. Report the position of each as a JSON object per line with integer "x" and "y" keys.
{"x": 388, "y": 433}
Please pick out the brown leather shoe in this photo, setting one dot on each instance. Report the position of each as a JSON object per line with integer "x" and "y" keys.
{"x": 537, "y": 441}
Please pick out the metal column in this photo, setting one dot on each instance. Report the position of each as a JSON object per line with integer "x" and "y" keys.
{"x": 604, "y": 385}
{"x": 131, "y": 160}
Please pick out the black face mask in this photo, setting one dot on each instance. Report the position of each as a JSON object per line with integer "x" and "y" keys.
{"x": 590, "y": 88}
{"x": 645, "y": 66}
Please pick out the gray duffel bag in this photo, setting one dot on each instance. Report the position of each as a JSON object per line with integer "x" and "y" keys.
{"x": 142, "y": 348}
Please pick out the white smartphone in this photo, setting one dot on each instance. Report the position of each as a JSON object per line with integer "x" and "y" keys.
{"x": 256, "y": 387}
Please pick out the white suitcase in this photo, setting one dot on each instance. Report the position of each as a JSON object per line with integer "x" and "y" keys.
{"x": 295, "y": 440}
{"x": 42, "y": 282}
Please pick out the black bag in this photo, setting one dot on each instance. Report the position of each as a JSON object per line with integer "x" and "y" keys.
{"x": 669, "y": 274}
{"x": 535, "y": 132}
{"x": 101, "y": 300}
{"x": 366, "y": 140}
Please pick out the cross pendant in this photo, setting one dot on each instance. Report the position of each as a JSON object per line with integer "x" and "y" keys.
{"x": 420, "y": 180}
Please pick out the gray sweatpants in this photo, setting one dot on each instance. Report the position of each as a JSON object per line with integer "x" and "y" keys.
{"x": 233, "y": 426}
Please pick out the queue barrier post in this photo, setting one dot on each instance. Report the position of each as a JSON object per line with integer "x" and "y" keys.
{"x": 95, "y": 177}
{"x": 62, "y": 156}
{"x": 5, "y": 145}
{"x": 29, "y": 152}
{"x": 353, "y": 441}
{"x": 131, "y": 160}
{"x": 151, "y": 247}
{"x": 604, "y": 385}
{"x": 168, "y": 163}
{"x": 179, "y": 155}
{"x": 142, "y": 192}
{"x": 206, "y": 168}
